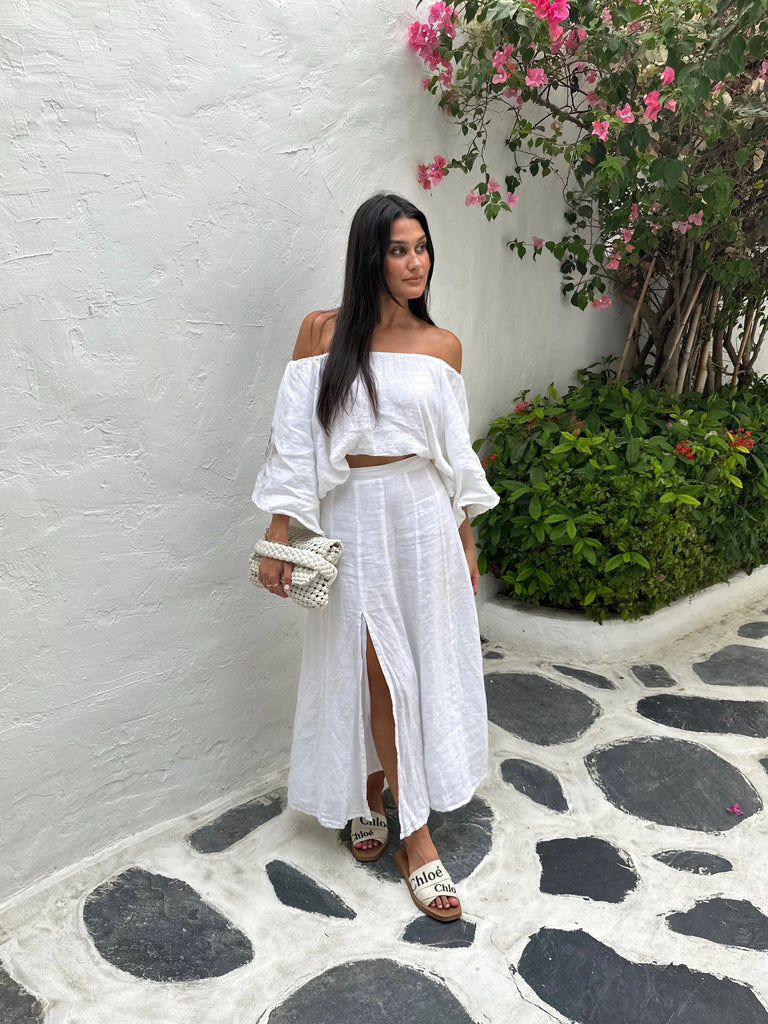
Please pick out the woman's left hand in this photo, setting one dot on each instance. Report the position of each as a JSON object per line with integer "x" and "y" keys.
{"x": 474, "y": 572}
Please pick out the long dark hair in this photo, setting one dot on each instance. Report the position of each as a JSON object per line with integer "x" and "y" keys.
{"x": 349, "y": 354}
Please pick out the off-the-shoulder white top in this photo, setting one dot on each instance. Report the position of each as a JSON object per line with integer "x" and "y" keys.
{"x": 422, "y": 411}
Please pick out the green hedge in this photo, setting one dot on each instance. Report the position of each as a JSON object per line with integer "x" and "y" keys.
{"x": 618, "y": 500}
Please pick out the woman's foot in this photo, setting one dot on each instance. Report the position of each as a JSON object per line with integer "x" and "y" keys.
{"x": 421, "y": 850}
{"x": 376, "y": 804}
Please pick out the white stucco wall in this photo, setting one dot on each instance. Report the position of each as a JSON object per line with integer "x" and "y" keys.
{"x": 175, "y": 188}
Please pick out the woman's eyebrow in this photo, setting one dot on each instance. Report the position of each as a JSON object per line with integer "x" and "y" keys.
{"x": 400, "y": 241}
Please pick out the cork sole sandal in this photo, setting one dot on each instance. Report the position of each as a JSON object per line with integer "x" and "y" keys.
{"x": 376, "y": 828}
{"x": 426, "y": 884}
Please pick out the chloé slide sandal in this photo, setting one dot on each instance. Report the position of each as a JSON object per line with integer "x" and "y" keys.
{"x": 426, "y": 884}
{"x": 375, "y": 828}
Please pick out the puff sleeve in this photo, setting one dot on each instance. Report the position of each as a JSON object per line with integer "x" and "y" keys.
{"x": 287, "y": 482}
{"x": 457, "y": 462}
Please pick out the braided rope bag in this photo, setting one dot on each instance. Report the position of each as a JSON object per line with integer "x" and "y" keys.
{"x": 314, "y": 564}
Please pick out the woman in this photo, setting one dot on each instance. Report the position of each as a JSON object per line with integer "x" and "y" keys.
{"x": 370, "y": 446}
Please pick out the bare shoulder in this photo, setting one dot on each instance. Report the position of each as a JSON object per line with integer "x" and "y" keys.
{"x": 315, "y": 333}
{"x": 444, "y": 345}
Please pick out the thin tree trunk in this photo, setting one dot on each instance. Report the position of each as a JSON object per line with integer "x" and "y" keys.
{"x": 691, "y": 342}
{"x": 669, "y": 367}
{"x": 631, "y": 333}
{"x": 744, "y": 341}
{"x": 705, "y": 362}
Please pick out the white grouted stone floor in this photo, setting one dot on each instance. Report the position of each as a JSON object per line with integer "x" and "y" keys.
{"x": 260, "y": 916}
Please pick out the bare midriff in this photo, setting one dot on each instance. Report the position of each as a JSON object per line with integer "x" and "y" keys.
{"x": 358, "y": 461}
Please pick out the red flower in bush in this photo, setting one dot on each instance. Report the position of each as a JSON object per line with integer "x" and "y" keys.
{"x": 684, "y": 447}
{"x": 740, "y": 439}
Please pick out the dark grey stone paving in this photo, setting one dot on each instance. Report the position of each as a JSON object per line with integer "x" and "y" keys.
{"x": 754, "y": 630}
{"x": 235, "y": 824}
{"x": 540, "y": 784}
{"x": 591, "y": 678}
{"x": 371, "y": 990}
{"x": 590, "y": 983}
{"x": 672, "y": 782}
{"x": 729, "y": 922}
{"x": 463, "y": 837}
{"x": 694, "y": 861}
{"x": 295, "y": 889}
{"x": 735, "y": 665}
{"x": 538, "y": 710}
{"x": 705, "y": 714}
{"x": 653, "y": 675}
{"x": 160, "y": 929}
{"x": 17, "y": 1006}
{"x": 446, "y": 935}
{"x": 588, "y": 867}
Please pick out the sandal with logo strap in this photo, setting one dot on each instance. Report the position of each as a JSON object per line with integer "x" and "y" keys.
{"x": 426, "y": 884}
{"x": 375, "y": 828}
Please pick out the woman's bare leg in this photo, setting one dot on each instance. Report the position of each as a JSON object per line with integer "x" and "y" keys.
{"x": 418, "y": 845}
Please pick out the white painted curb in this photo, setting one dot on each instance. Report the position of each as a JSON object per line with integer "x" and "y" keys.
{"x": 553, "y": 635}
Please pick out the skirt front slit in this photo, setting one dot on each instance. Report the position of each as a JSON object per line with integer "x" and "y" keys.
{"x": 403, "y": 580}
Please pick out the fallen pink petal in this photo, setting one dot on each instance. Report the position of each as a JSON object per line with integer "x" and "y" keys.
{"x": 735, "y": 809}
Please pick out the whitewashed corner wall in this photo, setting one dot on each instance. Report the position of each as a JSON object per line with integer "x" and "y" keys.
{"x": 176, "y": 182}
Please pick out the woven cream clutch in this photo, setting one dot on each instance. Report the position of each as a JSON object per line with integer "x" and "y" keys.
{"x": 314, "y": 564}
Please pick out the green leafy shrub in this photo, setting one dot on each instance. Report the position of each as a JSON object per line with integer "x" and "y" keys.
{"x": 619, "y": 500}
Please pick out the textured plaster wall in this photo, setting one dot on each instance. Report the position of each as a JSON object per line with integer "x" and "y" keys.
{"x": 176, "y": 182}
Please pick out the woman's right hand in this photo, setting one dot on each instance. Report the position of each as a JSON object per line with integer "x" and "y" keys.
{"x": 275, "y": 575}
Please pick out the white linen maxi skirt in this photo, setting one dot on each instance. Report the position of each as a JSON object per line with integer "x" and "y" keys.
{"x": 403, "y": 577}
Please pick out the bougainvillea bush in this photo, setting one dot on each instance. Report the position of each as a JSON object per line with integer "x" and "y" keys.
{"x": 619, "y": 500}
{"x": 654, "y": 115}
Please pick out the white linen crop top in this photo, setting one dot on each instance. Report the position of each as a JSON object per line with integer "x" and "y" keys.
{"x": 422, "y": 411}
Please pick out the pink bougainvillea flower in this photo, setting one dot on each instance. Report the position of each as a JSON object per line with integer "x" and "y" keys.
{"x": 627, "y": 233}
{"x": 474, "y": 198}
{"x": 671, "y": 105}
{"x": 605, "y": 14}
{"x": 717, "y": 88}
{"x": 735, "y": 809}
{"x": 600, "y": 128}
{"x": 537, "y": 242}
{"x": 554, "y": 11}
{"x": 625, "y": 114}
{"x": 579, "y": 66}
{"x": 422, "y": 38}
{"x": 493, "y": 185}
{"x": 602, "y": 303}
{"x": 613, "y": 263}
{"x": 512, "y": 200}
{"x": 655, "y": 228}
{"x": 667, "y": 75}
{"x": 424, "y": 179}
{"x": 425, "y": 83}
{"x": 681, "y": 226}
{"x": 634, "y": 213}
{"x": 514, "y": 95}
{"x": 696, "y": 218}
{"x": 630, "y": 248}
{"x": 436, "y": 170}
{"x": 592, "y": 98}
{"x": 591, "y": 76}
{"x": 763, "y": 70}
{"x": 536, "y": 77}
{"x": 501, "y": 61}
{"x": 652, "y": 105}
{"x": 440, "y": 16}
